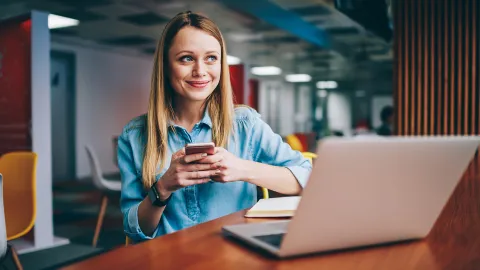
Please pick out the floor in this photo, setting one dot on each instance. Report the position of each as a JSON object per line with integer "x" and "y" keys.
{"x": 75, "y": 207}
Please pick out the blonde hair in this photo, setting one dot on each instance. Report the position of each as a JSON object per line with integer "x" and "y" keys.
{"x": 160, "y": 109}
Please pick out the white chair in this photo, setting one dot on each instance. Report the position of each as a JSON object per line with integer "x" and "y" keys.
{"x": 104, "y": 185}
{"x": 3, "y": 234}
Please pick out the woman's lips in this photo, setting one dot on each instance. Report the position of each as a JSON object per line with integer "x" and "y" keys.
{"x": 198, "y": 84}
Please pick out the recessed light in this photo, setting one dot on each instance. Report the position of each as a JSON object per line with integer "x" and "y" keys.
{"x": 55, "y": 21}
{"x": 265, "y": 71}
{"x": 232, "y": 60}
{"x": 327, "y": 84}
{"x": 298, "y": 78}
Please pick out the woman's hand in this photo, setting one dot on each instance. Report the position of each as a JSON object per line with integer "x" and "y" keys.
{"x": 183, "y": 173}
{"x": 231, "y": 168}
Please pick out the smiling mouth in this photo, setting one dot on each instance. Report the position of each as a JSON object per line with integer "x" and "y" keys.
{"x": 198, "y": 84}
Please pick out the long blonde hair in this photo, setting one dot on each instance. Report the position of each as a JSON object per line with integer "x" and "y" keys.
{"x": 160, "y": 109}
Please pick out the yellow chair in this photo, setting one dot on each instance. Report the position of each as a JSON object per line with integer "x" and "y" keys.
{"x": 19, "y": 174}
{"x": 310, "y": 156}
{"x": 6, "y": 251}
{"x": 294, "y": 142}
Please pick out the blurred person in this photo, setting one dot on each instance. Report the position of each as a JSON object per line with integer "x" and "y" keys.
{"x": 386, "y": 116}
{"x": 163, "y": 189}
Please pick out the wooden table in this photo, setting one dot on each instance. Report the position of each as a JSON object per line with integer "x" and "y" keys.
{"x": 454, "y": 243}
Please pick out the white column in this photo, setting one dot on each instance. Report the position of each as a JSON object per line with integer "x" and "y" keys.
{"x": 41, "y": 128}
{"x": 41, "y": 137}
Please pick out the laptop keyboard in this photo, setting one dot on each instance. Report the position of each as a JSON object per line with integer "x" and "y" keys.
{"x": 272, "y": 239}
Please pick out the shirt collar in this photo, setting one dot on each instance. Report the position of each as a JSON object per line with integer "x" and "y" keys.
{"x": 205, "y": 120}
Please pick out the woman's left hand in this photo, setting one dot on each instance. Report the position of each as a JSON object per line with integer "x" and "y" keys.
{"x": 231, "y": 167}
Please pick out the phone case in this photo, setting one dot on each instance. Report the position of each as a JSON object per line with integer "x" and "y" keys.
{"x": 209, "y": 149}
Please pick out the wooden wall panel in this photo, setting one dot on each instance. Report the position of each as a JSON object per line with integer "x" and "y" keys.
{"x": 15, "y": 89}
{"x": 437, "y": 67}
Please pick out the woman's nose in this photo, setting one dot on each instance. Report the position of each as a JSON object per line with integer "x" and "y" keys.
{"x": 199, "y": 70}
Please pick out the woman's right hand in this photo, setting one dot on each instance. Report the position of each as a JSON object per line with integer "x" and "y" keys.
{"x": 183, "y": 173}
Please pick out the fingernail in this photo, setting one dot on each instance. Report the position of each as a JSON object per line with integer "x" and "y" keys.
{"x": 217, "y": 172}
{"x": 204, "y": 155}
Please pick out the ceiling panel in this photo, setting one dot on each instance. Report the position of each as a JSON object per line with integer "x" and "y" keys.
{"x": 82, "y": 15}
{"x": 343, "y": 30}
{"x": 117, "y": 10}
{"x": 128, "y": 41}
{"x": 137, "y": 24}
{"x": 144, "y": 19}
{"x": 83, "y": 3}
{"x": 315, "y": 10}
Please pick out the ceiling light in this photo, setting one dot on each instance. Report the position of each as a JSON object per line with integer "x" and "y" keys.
{"x": 244, "y": 37}
{"x": 298, "y": 78}
{"x": 55, "y": 21}
{"x": 232, "y": 60}
{"x": 264, "y": 71}
{"x": 327, "y": 84}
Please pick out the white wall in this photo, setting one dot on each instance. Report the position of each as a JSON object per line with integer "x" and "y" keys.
{"x": 286, "y": 105}
{"x": 303, "y": 117}
{"x": 111, "y": 89}
{"x": 339, "y": 112}
{"x": 276, "y": 105}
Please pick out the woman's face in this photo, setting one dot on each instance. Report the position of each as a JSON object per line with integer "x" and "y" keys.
{"x": 194, "y": 64}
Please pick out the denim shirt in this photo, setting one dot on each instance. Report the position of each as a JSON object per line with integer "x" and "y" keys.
{"x": 252, "y": 139}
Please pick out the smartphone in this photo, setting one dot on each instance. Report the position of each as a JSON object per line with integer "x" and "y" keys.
{"x": 197, "y": 148}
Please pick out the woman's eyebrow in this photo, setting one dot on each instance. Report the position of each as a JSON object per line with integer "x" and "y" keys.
{"x": 209, "y": 52}
{"x": 183, "y": 52}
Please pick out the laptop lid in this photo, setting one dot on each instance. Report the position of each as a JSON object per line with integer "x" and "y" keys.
{"x": 376, "y": 190}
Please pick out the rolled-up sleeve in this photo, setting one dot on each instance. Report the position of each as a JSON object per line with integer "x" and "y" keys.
{"x": 269, "y": 148}
{"x": 132, "y": 193}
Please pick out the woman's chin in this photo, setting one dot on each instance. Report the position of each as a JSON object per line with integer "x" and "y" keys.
{"x": 198, "y": 96}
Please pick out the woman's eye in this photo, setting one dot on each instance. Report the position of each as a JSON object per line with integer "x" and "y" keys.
{"x": 186, "y": 58}
{"x": 211, "y": 58}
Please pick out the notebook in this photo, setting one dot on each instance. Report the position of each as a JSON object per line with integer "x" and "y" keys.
{"x": 275, "y": 207}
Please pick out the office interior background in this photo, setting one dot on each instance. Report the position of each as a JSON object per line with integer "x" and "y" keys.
{"x": 312, "y": 68}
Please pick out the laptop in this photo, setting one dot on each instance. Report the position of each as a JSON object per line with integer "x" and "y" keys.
{"x": 364, "y": 192}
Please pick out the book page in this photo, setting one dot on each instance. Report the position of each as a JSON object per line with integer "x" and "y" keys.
{"x": 275, "y": 207}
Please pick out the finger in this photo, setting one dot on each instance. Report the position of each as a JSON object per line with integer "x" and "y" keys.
{"x": 180, "y": 153}
{"x": 198, "y": 167}
{"x": 200, "y": 174}
{"x": 219, "y": 149}
{"x": 211, "y": 159}
{"x": 219, "y": 165}
{"x": 194, "y": 157}
{"x": 189, "y": 182}
{"x": 219, "y": 178}
{"x": 201, "y": 181}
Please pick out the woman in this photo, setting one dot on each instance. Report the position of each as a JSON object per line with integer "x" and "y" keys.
{"x": 164, "y": 190}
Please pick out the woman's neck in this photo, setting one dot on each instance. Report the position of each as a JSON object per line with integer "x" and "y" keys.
{"x": 187, "y": 114}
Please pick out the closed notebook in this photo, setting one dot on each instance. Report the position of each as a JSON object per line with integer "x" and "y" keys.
{"x": 275, "y": 207}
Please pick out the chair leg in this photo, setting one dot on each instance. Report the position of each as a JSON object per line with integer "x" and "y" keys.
{"x": 15, "y": 259}
{"x": 101, "y": 215}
